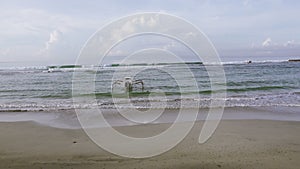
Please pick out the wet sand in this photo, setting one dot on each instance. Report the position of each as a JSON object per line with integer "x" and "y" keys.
{"x": 235, "y": 144}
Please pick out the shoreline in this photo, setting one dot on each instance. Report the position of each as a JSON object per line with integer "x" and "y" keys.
{"x": 235, "y": 144}
{"x": 67, "y": 119}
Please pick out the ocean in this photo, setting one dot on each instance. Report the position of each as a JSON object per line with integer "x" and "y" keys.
{"x": 41, "y": 90}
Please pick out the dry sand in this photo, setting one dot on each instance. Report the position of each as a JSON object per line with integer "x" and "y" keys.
{"x": 235, "y": 144}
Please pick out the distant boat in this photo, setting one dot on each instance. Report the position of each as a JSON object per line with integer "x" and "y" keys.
{"x": 294, "y": 60}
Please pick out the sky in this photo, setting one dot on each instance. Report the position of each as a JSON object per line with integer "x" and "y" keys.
{"x": 48, "y": 32}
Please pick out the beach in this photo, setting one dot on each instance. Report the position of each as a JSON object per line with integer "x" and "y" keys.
{"x": 149, "y": 84}
{"x": 235, "y": 144}
{"x": 260, "y": 126}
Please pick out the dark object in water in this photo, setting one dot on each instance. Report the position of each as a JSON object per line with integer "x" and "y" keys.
{"x": 115, "y": 65}
{"x": 294, "y": 60}
{"x": 249, "y": 61}
{"x": 70, "y": 66}
{"x": 64, "y": 66}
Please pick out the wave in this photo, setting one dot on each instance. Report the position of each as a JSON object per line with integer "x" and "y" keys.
{"x": 65, "y": 68}
{"x": 255, "y": 61}
{"x": 200, "y": 63}
{"x": 236, "y": 97}
{"x": 155, "y": 104}
{"x": 136, "y": 94}
{"x": 264, "y": 88}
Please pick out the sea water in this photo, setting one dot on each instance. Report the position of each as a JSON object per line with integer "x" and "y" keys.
{"x": 259, "y": 84}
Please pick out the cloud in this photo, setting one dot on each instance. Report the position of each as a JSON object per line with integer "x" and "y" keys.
{"x": 270, "y": 44}
{"x": 152, "y": 21}
{"x": 118, "y": 52}
{"x": 133, "y": 25}
{"x": 169, "y": 46}
{"x": 54, "y": 37}
{"x": 57, "y": 48}
{"x": 41, "y": 36}
{"x": 291, "y": 43}
{"x": 27, "y": 28}
{"x": 267, "y": 42}
{"x": 269, "y": 47}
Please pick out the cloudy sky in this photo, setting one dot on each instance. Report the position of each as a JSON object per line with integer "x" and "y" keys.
{"x": 35, "y": 32}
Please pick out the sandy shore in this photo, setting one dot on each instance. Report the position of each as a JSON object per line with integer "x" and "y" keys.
{"x": 236, "y": 144}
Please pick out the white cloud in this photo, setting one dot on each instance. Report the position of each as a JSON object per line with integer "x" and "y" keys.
{"x": 273, "y": 48}
{"x": 133, "y": 25}
{"x": 57, "y": 46}
{"x": 290, "y": 43}
{"x": 42, "y": 36}
{"x": 270, "y": 44}
{"x": 267, "y": 42}
{"x": 117, "y": 52}
{"x": 54, "y": 37}
{"x": 190, "y": 34}
{"x": 169, "y": 46}
{"x": 152, "y": 21}
{"x": 27, "y": 29}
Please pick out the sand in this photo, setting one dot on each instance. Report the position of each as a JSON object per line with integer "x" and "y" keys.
{"x": 235, "y": 144}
